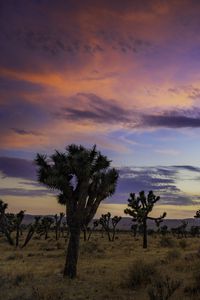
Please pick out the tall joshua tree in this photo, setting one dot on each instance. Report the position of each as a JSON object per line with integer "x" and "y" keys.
{"x": 139, "y": 209}
{"x": 83, "y": 178}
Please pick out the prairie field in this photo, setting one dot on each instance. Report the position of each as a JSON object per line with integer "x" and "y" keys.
{"x": 168, "y": 269}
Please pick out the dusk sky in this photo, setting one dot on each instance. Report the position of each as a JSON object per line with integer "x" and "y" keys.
{"x": 124, "y": 75}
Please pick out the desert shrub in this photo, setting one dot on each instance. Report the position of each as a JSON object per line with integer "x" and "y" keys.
{"x": 163, "y": 288}
{"x": 21, "y": 278}
{"x": 183, "y": 244}
{"x": 31, "y": 254}
{"x": 167, "y": 242}
{"x": 173, "y": 254}
{"x": 141, "y": 273}
{"x": 194, "y": 288}
{"x": 91, "y": 247}
{"x": 3, "y": 280}
{"x": 196, "y": 276}
{"x": 47, "y": 294}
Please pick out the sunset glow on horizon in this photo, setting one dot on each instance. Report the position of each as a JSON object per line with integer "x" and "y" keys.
{"x": 124, "y": 75}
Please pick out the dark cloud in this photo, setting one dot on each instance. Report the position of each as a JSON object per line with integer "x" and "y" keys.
{"x": 17, "y": 167}
{"x": 25, "y": 132}
{"x": 133, "y": 179}
{"x": 94, "y": 108}
{"x": 162, "y": 180}
{"x": 188, "y": 168}
{"x": 177, "y": 199}
{"x": 170, "y": 121}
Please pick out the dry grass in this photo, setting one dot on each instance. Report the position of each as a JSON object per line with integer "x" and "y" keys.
{"x": 103, "y": 271}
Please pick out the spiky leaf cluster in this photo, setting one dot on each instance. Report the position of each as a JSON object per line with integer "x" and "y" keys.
{"x": 82, "y": 176}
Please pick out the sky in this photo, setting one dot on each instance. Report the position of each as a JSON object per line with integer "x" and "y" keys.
{"x": 123, "y": 75}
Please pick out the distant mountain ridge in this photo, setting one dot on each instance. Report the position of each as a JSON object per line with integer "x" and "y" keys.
{"x": 125, "y": 223}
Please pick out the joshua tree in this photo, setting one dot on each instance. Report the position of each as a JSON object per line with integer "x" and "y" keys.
{"x": 164, "y": 229}
{"x": 45, "y": 226}
{"x": 139, "y": 209}
{"x": 4, "y": 222}
{"x": 134, "y": 228}
{"x": 197, "y": 214}
{"x": 84, "y": 178}
{"x": 115, "y": 220}
{"x": 95, "y": 225}
{"x": 32, "y": 229}
{"x": 58, "y": 221}
{"x": 18, "y": 220}
{"x": 105, "y": 221}
{"x": 180, "y": 231}
{"x": 158, "y": 222}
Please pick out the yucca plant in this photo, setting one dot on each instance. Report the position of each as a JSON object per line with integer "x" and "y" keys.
{"x": 83, "y": 178}
{"x": 140, "y": 207}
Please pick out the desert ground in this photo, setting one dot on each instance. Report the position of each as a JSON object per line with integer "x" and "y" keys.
{"x": 106, "y": 270}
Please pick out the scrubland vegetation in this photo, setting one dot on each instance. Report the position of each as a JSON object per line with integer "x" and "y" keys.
{"x": 122, "y": 269}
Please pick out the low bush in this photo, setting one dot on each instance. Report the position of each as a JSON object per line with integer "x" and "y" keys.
{"x": 167, "y": 242}
{"x": 173, "y": 254}
{"x": 163, "y": 288}
{"x": 183, "y": 244}
{"x": 141, "y": 273}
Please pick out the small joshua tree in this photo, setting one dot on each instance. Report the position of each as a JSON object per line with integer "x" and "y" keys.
{"x": 91, "y": 230}
{"x": 4, "y": 222}
{"x": 105, "y": 221}
{"x": 45, "y": 226}
{"x": 158, "y": 222}
{"x": 18, "y": 221}
{"x": 115, "y": 220}
{"x": 58, "y": 221}
{"x": 32, "y": 229}
{"x": 134, "y": 228}
{"x": 197, "y": 216}
{"x": 139, "y": 209}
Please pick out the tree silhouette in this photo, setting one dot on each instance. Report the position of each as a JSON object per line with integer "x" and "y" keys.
{"x": 139, "y": 209}
{"x": 197, "y": 214}
{"x": 91, "y": 230}
{"x": 18, "y": 221}
{"x": 58, "y": 221}
{"x": 44, "y": 226}
{"x": 4, "y": 222}
{"x": 32, "y": 229}
{"x": 84, "y": 178}
{"x": 106, "y": 221}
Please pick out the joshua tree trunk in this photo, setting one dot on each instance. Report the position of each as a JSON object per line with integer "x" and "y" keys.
{"x": 8, "y": 236}
{"x": 85, "y": 233}
{"x": 17, "y": 236}
{"x": 144, "y": 233}
{"x": 72, "y": 253}
{"x": 113, "y": 235}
